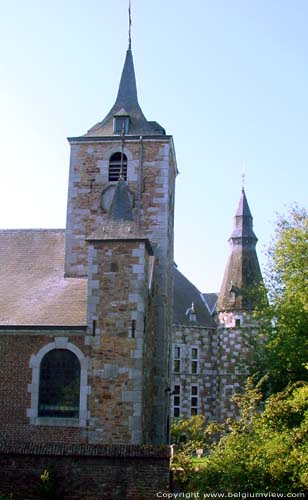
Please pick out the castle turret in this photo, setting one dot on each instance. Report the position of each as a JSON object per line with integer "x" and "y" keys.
{"x": 242, "y": 273}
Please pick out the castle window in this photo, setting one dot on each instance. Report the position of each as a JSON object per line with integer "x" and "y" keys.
{"x": 194, "y": 360}
{"x": 237, "y": 322}
{"x": 115, "y": 167}
{"x": 176, "y": 359}
{"x": 176, "y": 401}
{"x": 59, "y": 386}
{"x": 194, "y": 400}
{"x": 114, "y": 267}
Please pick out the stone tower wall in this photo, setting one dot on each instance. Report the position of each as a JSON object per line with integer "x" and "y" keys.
{"x": 151, "y": 173}
{"x": 235, "y": 345}
{"x": 205, "y": 340}
{"x": 224, "y": 357}
{"x": 117, "y": 307}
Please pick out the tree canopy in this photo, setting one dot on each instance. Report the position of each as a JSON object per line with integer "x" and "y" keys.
{"x": 259, "y": 451}
{"x": 283, "y": 323}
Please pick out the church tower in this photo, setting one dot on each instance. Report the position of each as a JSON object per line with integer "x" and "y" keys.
{"x": 242, "y": 274}
{"x": 119, "y": 235}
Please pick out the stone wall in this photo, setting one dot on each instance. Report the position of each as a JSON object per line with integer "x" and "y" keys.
{"x": 84, "y": 472}
{"x": 118, "y": 304}
{"x": 224, "y": 357}
{"x": 205, "y": 340}
{"x": 151, "y": 172}
{"x": 234, "y": 356}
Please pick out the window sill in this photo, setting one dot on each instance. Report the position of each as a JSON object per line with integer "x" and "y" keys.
{"x": 58, "y": 422}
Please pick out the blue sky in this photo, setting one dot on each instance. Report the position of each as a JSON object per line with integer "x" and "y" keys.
{"x": 228, "y": 79}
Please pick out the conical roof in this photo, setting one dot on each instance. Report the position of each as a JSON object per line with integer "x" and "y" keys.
{"x": 243, "y": 221}
{"x": 127, "y": 93}
{"x": 242, "y": 271}
{"x": 127, "y": 103}
{"x": 243, "y": 207}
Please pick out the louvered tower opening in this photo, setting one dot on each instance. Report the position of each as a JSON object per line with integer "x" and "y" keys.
{"x": 115, "y": 167}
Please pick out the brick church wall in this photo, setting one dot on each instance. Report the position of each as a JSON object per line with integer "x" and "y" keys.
{"x": 16, "y": 348}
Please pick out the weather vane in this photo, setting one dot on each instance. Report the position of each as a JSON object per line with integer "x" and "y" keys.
{"x": 129, "y": 26}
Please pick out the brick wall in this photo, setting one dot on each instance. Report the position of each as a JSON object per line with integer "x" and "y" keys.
{"x": 16, "y": 350}
{"x": 85, "y": 472}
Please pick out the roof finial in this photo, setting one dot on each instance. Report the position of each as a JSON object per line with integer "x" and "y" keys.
{"x": 243, "y": 177}
{"x": 129, "y": 27}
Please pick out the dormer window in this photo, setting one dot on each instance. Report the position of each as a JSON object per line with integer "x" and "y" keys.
{"x": 121, "y": 122}
{"x": 192, "y": 317}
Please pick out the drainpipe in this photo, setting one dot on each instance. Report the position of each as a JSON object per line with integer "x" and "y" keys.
{"x": 140, "y": 179}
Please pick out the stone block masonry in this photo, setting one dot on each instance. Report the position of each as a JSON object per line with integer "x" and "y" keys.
{"x": 119, "y": 397}
{"x": 151, "y": 172}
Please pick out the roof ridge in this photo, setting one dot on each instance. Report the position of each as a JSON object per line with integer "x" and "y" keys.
{"x": 15, "y": 230}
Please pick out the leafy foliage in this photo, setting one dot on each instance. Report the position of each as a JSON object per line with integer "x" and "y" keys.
{"x": 284, "y": 322}
{"x": 261, "y": 451}
{"x": 265, "y": 449}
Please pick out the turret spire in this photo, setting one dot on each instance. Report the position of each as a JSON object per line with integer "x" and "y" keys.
{"x": 242, "y": 271}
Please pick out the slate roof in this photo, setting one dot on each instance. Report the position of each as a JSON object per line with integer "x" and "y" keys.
{"x": 210, "y": 301}
{"x": 184, "y": 294}
{"x": 242, "y": 271}
{"x": 243, "y": 220}
{"x": 127, "y": 104}
{"x": 33, "y": 290}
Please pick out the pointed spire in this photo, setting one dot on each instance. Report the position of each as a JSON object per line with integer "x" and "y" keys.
{"x": 243, "y": 207}
{"x": 243, "y": 220}
{"x": 242, "y": 271}
{"x": 121, "y": 208}
{"x": 127, "y": 93}
{"x": 126, "y": 103}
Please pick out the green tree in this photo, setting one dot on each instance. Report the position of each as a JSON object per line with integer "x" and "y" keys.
{"x": 263, "y": 450}
{"x": 283, "y": 352}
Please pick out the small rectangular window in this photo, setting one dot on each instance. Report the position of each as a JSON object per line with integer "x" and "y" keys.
{"x": 176, "y": 400}
{"x": 194, "y": 360}
{"x": 194, "y": 401}
{"x": 176, "y": 359}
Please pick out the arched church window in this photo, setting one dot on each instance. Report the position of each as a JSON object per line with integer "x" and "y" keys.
{"x": 115, "y": 167}
{"x": 59, "y": 385}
